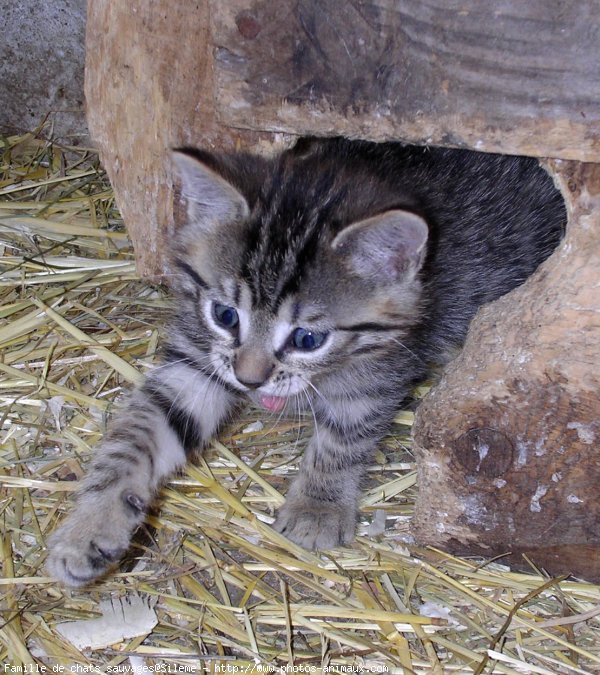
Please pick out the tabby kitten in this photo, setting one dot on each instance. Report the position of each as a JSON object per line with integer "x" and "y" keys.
{"x": 331, "y": 276}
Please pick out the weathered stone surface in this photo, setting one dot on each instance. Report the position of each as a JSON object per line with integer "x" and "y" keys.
{"x": 41, "y": 73}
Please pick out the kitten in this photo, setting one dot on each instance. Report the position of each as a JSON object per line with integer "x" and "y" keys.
{"x": 332, "y": 275}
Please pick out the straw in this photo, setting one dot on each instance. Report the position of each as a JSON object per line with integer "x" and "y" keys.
{"x": 77, "y": 328}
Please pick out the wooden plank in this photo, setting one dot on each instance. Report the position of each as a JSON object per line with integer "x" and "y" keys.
{"x": 496, "y": 75}
{"x": 149, "y": 90}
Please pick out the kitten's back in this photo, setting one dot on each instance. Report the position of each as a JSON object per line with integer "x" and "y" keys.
{"x": 492, "y": 218}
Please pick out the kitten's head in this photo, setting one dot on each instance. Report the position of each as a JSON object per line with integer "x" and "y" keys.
{"x": 288, "y": 272}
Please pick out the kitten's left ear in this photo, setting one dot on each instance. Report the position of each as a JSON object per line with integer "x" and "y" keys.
{"x": 387, "y": 248}
{"x": 211, "y": 200}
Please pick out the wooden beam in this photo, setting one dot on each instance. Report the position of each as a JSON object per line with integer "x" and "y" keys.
{"x": 149, "y": 88}
{"x": 512, "y": 76}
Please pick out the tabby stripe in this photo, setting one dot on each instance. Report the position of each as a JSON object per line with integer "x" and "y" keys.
{"x": 194, "y": 335}
{"x": 173, "y": 355}
{"x": 125, "y": 435}
{"x": 369, "y": 349}
{"x": 191, "y": 272}
{"x": 237, "y": 294}
{"x": 228, "y": 387}
{"x": 352, "y": 435}
{"x": 146, "y": 451}
{"x": 368, "y": 427}
{"x": 125, "y": 456}
{"x": 103, "y": 482}
{"x": 181, "y": 422}
{"x": 367, "y": 326}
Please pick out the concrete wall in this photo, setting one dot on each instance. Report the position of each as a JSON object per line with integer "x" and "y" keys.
{"x": 42, "y": 53}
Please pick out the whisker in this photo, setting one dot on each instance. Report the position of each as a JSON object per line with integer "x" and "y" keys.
{"x": 155, "y": 369}
{"x": 401, "y": 344}
{"x": 316, "y": 426}
{"x": 213, "y": 379}
{"x": 318, "y": 393}
{"x": 298, "y": 415}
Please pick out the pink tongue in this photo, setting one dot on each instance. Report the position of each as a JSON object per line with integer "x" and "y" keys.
{"x": 273, "y": 403}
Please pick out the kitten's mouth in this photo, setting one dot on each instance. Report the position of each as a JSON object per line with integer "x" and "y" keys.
{"x": 268, "y": 402}
{"x": 272, "y": 403}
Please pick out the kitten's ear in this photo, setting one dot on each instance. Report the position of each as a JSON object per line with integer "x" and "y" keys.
{"x": 211, "y": 200}
{"x": 387, "y": 248}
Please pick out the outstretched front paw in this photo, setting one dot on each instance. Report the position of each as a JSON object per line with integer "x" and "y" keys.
{"x": 92, "y": 540}
{"x": 316, "y": 524}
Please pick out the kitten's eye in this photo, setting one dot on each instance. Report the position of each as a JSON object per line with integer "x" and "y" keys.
{"x": 226, "y": 316}
{"x": 307, "y": 340}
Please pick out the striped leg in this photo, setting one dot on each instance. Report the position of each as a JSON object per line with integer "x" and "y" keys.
{"x": 321, "y": 507}
{"x": 174, "y": 413}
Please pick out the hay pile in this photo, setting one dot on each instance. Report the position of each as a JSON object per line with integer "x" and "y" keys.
{"x": 208, "y": 584}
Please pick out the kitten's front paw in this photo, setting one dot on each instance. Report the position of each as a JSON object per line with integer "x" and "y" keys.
{"x": 315, "y": 524}
{"x": 89, "y": 543}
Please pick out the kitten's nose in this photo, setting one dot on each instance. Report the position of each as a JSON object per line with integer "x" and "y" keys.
{"x": 252, "y": 367}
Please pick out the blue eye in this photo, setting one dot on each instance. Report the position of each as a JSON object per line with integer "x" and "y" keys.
{"x": 307, "y": 340}
{"x": 226, "y": 316}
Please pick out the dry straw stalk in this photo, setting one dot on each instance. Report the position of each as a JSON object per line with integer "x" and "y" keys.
{"x": 77, "y": 327}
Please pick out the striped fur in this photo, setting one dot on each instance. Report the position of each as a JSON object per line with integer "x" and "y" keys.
{"x": 377, "y": 254}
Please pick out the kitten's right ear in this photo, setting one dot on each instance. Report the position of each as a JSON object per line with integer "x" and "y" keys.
{"x": 211, "y": 200}
{"x": 387, "y": 248}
